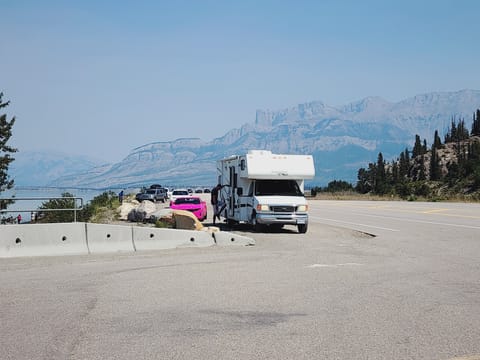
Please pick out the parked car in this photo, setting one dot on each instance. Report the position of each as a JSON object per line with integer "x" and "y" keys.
{"x": 191, "y": 203}
{"x": 153, "y": 195}
{"x": 178, "y": 193}
{"x": 198, "y": 191}
{"x": 206, "y": 191}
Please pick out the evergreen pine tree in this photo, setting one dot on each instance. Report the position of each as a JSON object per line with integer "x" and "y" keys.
{"x": 407, "y": 163}
{"x": 402, "y": 167}
{"x": 380, "y": 176}
{"x": 453, "y": 130}
{"x": 437, "y": 142}
{"x": 363, "y": 185}
{"x": 5, "y": 152}
{"x": 421, "y": 174}
{"x": 434, "y": 165}
{"x": 476, "y": 123}
{"x": 395, "y": 177}
{"x": 462, "y": 132}
{"x": 417, "y": 148}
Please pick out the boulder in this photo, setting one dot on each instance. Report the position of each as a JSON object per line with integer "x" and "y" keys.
{"x": 136, "y": 215}
{"x": 186, "y": 220}
{"x": 142, "y": 212}
{"x": 125, "y": 209}
{"x": 164, "y": 215}
{"x": 147, "y": 206}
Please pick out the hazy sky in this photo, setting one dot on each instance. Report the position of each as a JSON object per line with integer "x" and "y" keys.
{"x": 100, "y": 78}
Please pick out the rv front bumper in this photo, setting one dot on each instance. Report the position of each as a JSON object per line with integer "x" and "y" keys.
{"x": 287, "y": 219}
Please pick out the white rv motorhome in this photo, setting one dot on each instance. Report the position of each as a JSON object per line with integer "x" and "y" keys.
{"x": 265, "y": 189}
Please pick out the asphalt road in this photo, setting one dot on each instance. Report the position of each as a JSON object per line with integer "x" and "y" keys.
{"x": 412, "y": 291}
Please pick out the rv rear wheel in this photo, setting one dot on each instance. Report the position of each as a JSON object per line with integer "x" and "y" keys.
{"x": 258, "y": 227}
{"x": 231, "y": 222}
{"x": 302, "y": 228}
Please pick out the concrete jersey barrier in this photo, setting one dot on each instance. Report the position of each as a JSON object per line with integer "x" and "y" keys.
{"x": 157, "y": 239}
{"x": 102, "y": 238}
{"x": 87, "y": 238}
{"x": 225, "y": 238}
{"x": 42, "y": 240}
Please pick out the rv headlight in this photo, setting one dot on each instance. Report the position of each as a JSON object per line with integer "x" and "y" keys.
{"x": 261, "y": 207}
{"x": 302, "y": 208}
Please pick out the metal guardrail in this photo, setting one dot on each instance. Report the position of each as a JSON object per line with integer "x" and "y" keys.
{"x": 74, "y": 209}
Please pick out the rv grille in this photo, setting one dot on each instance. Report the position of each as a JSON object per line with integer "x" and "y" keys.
{"x": 283, "y": 209}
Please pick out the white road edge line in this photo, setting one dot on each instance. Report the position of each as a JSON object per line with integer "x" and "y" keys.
{"x": 333, "y": 265}
{"x": 419, "y": 221}
{"x": 356, "y": 224}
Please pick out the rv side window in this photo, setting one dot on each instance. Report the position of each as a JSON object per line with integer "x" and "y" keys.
{"x": 242, "y": 164}
{"x": 277, "y": 187}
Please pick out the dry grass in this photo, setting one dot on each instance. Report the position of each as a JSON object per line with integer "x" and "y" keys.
{"x": 352, "y": 196}
{"x": 105, "y": 215}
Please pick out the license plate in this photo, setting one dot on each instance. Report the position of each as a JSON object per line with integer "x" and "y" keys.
{"x": 300, "y": 221}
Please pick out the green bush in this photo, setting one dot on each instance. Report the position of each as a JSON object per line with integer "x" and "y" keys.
{"x": 163, "y": 224}
{"x": 53, "y": 214}
{"x": 101, "y": 208}
{"x": 421, "y": 189}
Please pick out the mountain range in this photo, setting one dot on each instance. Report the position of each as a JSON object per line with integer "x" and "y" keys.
{"x": 342, "y": 139}
{"x": 39, "y": 168}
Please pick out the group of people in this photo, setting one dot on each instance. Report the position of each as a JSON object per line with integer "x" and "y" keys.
{"x": 11, "y": 219}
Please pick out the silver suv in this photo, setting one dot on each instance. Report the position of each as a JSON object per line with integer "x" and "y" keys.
{"x": 153, "y": 195}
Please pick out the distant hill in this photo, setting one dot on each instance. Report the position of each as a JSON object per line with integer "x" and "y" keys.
{"x": 342, "y": 139}
{"x": 38, "y": 168}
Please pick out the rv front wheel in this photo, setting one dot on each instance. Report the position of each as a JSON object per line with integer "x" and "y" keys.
{"x": 302, "y": 228}
{"x": 258, "y": 227}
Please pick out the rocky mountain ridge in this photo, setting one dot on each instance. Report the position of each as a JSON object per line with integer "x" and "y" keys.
{"x": 40, "y": 167}
{"x": 342, "y": 139}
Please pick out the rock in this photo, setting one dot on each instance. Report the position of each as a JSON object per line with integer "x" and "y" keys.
{"x": 186, "y": 220}
{"x": 147, "y": 206}
{"x": 136, "y": 215}
{"x": 125, "y": 209}
{"x": 135, "y": 211}
{"x": 164, "y": 215}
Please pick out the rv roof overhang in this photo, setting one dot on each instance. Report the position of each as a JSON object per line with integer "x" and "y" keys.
{"x": 288, "y": 167}
{"x": 273, "y": 176}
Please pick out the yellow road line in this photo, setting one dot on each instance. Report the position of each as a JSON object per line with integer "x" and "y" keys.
{"x": 433, "y": 211}
{"x": 418, "y": 210}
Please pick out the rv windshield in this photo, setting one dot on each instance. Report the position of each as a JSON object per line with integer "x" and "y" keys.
{"x": 277, "y": 187}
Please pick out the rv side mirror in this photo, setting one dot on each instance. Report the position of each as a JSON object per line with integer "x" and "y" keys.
{"x": 239, "y": 191}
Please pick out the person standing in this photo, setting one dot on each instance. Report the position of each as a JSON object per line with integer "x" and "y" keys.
{"x": 120, "y": 197}
{"x": 19, "y": 219}
{"x": 216, "y": 203}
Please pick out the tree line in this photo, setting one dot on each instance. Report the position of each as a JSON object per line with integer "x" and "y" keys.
{"x": 417, "y": 172}
{"x": 413, "y": 172}
{"x": 6, "y": 152}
